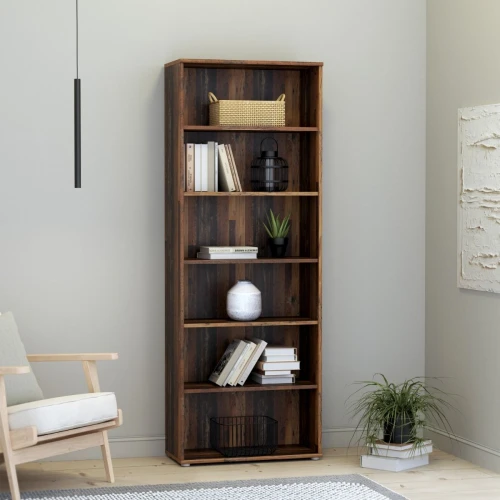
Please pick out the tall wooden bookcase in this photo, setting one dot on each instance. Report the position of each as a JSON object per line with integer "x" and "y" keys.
{"x": 197, "y": 327}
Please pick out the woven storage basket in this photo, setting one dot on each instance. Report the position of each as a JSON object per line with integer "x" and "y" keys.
{"x": 247, "y": 113}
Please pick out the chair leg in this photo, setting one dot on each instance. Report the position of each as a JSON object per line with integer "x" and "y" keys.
{"x": 106, "y": 456}
{"x": 5, "y": 445}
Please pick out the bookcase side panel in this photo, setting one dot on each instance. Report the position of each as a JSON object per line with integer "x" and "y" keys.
{"x": 174, "y": 405}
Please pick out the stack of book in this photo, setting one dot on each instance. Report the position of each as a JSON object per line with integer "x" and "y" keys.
{"x": 396, "y": 457}
{"x": 275, "y": 366}
{"x": 211, "y": 167}
{"x": 237, "y": 362}
{"x": 221, "y": 253}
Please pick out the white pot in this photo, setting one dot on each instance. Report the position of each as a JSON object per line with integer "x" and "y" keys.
{"x": 244, "y": 301}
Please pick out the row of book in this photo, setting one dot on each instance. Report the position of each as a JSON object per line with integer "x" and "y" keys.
{"x": 253, "y": 359}
{"x": 224, "y": 253}
{"x": 211, "y": 167}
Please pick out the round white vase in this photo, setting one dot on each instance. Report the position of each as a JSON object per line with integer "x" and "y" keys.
{"x": 244, "y": 301}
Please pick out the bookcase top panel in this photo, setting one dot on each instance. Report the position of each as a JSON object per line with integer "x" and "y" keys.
{"x": 229, "y": 63}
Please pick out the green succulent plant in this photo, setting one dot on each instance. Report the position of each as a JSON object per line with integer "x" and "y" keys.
{"x": 275, "y": 227}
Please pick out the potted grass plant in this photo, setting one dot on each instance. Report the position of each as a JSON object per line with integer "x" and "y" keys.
{"x": 277, "y": 229}
{"x": 398, "y": 413}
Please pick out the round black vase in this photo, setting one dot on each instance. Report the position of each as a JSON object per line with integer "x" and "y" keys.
{"x": 399, "y": 431}
{"x": 278, "y": 246}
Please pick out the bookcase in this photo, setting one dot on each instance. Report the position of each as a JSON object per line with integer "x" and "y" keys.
{"x": 197, "y": 327}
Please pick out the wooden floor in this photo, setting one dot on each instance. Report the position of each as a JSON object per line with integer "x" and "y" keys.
{"x": 446, "y": 477}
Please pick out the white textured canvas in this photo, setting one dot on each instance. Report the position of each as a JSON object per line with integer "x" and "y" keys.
{"x": 479, "y": 200}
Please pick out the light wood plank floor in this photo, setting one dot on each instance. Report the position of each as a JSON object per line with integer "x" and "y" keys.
{"x": 446, "y": 477}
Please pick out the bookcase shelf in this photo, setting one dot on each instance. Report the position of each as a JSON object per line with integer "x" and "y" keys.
{"x": 218, "y": 128}
{"x": 207, "y": 387}
{"x": 197, "y": 330}
{"x": 283, "y": 260}
{"x": 251, "y": 193}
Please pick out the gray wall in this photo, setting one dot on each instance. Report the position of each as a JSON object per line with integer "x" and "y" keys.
{"x": 82, "y": 269}
{"x": 462, "y": 340}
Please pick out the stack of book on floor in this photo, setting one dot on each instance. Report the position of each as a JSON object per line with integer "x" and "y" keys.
{"x": 396, "y": 457}
{"x": 211, "y": 167}
{"x": 276, "y": 365}
{"x": 221, "y": 253}
{"x": 237, "y": 362}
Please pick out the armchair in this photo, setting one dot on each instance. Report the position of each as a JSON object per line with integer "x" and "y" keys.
{"x": 32, "y": 428}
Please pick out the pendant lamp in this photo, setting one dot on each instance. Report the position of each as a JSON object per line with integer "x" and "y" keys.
{"x": 78, "y": 124}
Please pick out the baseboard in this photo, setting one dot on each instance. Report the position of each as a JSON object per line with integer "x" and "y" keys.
{"x": 486, "y": 457}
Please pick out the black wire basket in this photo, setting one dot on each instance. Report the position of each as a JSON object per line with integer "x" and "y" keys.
{"x": 244, "y": 436}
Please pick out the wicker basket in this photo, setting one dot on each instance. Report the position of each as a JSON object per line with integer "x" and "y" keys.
{"x": 247, "y": 113}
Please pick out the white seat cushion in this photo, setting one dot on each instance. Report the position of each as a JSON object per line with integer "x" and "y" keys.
{"x": 61, "y": 414}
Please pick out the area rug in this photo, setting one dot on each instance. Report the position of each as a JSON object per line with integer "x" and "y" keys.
{"x": 349, "y": 487}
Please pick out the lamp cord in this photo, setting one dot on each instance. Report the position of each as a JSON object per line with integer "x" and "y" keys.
{"x": 77, "y": 39}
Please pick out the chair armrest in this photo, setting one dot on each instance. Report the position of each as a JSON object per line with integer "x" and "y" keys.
{"x": 110, "y": 356}
{"x": 14, "y": 370}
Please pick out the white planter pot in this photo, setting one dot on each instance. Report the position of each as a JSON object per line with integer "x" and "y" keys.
{"x": 244, "y": 301}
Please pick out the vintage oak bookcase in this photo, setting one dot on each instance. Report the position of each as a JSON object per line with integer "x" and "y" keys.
{"x": 197, "y": 327}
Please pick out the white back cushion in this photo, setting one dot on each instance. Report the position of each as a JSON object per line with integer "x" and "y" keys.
{"x": 20, "y": 388}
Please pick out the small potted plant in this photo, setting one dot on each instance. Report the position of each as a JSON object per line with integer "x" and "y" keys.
{"x": 399, "y": 412}
{"x": 278, "y": 231}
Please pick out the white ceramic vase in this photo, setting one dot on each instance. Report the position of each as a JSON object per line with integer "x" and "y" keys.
{"x": 244, "y": 301}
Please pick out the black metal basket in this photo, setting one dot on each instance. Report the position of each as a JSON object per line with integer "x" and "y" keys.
{"x": 244, "y": 436}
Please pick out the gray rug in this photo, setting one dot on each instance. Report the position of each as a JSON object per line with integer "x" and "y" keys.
{"x": 349, "y": 487}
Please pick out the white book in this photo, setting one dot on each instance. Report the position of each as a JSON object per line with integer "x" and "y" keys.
{"x": 393, "y": 464}
{"x": 240, "y": 365}
{"x": 216, "y": 163}
{"x": 197, "y": 167}
{"x": 204, "y": 167}
{"x": 211, "y": 166}
{"x": 291, "y": 357}
{"x": 227, "y": 362}
{"x": 273, "y": 373}
{"x": 260, "y": 346}
{"x": 279, "y": 351}
{"x": 266, "y": 380}
{"x": 223, "y": 256}
{"x": 208, "y": 249}
{"x": 226, "y": 181}
{"x": 400, "y": 451}
{"x": 232, "y": 164}
{"x": 278, "y": 365}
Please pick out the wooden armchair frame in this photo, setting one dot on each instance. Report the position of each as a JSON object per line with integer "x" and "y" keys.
{"x": 24, "y": 445}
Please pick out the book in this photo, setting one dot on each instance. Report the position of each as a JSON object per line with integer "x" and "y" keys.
{"x": 211, "y": 166}
{"x": 260, "y": 346}
{"x": 240, "y": 365}
{"x": 273, "y": 359}
{"x": 280, "y": 351}
{"x": 189, "y": 167}
{"x": 382, "y": 449}
{"x": 204, "y": 167}
{"x": 273, "y": 372}
{"x": 222, "y": 256}
{"x": 266, "y": 380}
{"x": 227, "y": 362}
{"x": 226, "y": 181}
{"x": 234, "y": 169}
{"x": 197, "y": 167}
{"x": 216, "y": 163}
{"x": 279, "y": 365}
{"x": 393, "y": 464}
{"x": 208, "y": 249}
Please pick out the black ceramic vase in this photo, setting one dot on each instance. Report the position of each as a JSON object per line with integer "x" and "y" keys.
{"x": 399, "y": 431}
{"x": 278, "y": 246}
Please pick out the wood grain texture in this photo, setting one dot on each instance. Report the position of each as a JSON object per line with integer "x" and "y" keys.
{"x": 198, "y": 330}
{"x": 174, "y": 286}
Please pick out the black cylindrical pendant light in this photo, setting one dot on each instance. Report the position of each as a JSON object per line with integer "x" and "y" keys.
{"x": 78, "y": 121}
